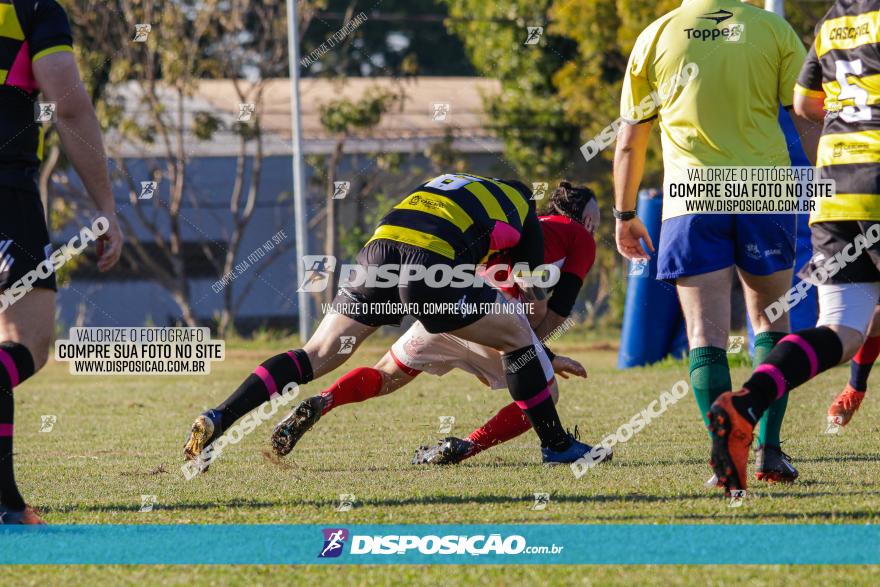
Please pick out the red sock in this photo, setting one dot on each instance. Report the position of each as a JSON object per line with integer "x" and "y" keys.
{"x": 509, "y": 422}
{"x": 869, "y": 351}
{"x": 355, "y": 386}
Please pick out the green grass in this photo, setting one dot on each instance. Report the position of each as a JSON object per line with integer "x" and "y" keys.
{"x": 117, "y": 438}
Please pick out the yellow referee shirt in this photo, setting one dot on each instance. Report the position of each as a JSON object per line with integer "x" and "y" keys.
{"x": 714, "y": 73}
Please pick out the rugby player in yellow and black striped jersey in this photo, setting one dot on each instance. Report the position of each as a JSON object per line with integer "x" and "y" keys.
{"x": 839, "y": 85}
{"x": 36, "y": 57}
{"x": 842, "y": 77}
{"x": 452, "y": 222}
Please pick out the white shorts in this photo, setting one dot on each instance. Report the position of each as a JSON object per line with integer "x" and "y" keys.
{"x": 438, "y": 354}
{"x": 851, "y": 305}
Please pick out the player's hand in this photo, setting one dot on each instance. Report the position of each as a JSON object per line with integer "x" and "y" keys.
{"x": 109, "y": 245}
{"x": 565, "y": 366}
{"x": 628, "y": 234}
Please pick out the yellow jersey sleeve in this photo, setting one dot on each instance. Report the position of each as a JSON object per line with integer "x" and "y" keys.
{"x": 637, "y": 103}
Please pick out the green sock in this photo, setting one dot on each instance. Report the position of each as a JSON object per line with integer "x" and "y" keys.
{"x": 771, "y": 421}
{"x": 710, "y": 376}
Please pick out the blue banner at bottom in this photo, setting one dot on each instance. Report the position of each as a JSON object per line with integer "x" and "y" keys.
{"x": 441, "y": 544}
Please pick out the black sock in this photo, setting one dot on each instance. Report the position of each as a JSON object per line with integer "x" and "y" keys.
{"x": 266, "y": 380}
{"x": 794, "y": 360}
{"x": 530, "y": 390}
{"x": 861, "y": 364}
{"x": 858, "y": 375}
{"x": 16, "y": 365}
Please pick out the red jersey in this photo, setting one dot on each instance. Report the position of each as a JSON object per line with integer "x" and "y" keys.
{"x": 567, "y": 245}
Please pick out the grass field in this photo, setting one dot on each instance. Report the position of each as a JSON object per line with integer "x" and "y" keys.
{"x": 118, "y": 438}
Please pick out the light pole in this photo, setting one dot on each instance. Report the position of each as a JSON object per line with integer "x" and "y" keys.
{"x": 299, "y": 182}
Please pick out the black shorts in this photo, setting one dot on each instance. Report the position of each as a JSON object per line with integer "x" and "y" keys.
{"x": 838, "y": 238}
{"x": 439, "y": 309}
{"x": 24, "y": 237}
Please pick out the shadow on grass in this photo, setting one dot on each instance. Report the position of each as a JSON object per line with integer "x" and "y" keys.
{"x": 520, "y": 499}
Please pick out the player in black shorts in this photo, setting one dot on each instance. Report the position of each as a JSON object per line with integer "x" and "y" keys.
{"x": 452, "y": 222}
{"x": 36, "y": 57}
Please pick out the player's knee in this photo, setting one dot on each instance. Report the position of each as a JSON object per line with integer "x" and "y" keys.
{"x": 514, "y": 337}
{"x": 850, "y": 340}
{"x": 39, "y": 349}
{"x": 875, "y": 323}
{"x": 393, "y": 378}
{"x": 323, "y": 356}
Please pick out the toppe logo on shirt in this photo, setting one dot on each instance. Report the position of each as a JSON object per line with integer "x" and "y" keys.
{"x": 732, "y": 33}
{"x": 718, "y": 16}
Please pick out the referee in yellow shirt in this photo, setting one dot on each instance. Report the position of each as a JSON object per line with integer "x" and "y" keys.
{"x": 713, "y": 74}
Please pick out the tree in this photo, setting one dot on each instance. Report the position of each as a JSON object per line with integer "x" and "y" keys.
{"x": 527, "y": 115}
{"x": 400, "y": 38}
{"x": 190, "y": 40}
{"x": 344, "y": 118}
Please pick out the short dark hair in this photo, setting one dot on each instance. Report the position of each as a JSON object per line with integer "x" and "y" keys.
{"x": 569, "y": 200}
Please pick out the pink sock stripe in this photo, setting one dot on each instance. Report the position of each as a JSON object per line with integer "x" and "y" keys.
{"x": 774, "y": 374}
{"x": 6, "y": 430}
{"x": 298, "y": 368}
{"x": 267, "y": 380}
{"x": 11, "y": 369}
{"x": 535, "y": 400}
{"x": 808, "y": 350}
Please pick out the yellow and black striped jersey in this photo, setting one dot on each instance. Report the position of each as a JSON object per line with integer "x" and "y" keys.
{"x": 463, "y": 217}
{"x": 843, "y": 67}
{"x": 29, "y": 31}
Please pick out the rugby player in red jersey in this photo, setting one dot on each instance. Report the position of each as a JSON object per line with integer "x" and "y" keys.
{"x": 448, "y": 226}
{"x": 568, "y": 225}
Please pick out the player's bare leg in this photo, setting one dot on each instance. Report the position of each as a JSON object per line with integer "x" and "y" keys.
{"x": 25, "y": 331}
{"x": 334, "y": 342}
{"x": 705, "y": 303}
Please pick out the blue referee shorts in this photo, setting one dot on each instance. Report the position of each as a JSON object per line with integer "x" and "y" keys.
{"x": 694, "y": 244}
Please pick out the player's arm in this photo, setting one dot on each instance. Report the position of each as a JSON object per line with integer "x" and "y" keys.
{"x": 801, "y": 87}
{"x": 50, "y": 45}
{"x": 809, "y": 130}
{"x": 638, "y": 108}
{"x": 559, "y": 306}
{"x": 810, "y": 107}
{"x": 629, "y": 166}
{"x": 551, "y": 322}
{"x": 80, "y": 133}
{"x": 808, "y": 111}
